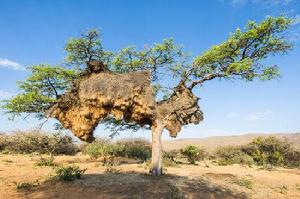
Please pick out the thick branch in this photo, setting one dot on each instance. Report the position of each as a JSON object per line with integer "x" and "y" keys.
{"x": 205, "y": 78}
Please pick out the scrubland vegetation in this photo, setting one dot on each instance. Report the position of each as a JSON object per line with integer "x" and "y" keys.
{"x": 247, "y": 169}
{"x": 269, "y": 151}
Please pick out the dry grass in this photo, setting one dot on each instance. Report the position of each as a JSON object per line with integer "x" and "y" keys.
{"x": 206, "y": 180}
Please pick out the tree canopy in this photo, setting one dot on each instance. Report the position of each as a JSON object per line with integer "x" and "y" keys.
{"x": 239, "y": 57}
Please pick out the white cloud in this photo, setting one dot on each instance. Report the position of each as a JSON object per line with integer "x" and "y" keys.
{"x": 10, "y": 64}
{"x": 231, "y": 115}
{"x": 258, "y": 116}
{"x": 5, "y": 94}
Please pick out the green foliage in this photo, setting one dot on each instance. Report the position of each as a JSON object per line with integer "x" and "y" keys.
{"x": 137, "y": 148}
{"x": 37, "y": 142}
{"x": 193, "y": 153}
{"x": 26, "y": 185}
{"x": 268, "y": 150}
{"x": 241, "y": 55}
{"x": 49, "y": 162}
{"x": 86, "y": 48}
{"x": 68, "y": 173}
{"x": 233, "y": 155}
{"x": 111, "y": 167}
{"x": 98, "y": 148}
{"x": 45, "y": 84}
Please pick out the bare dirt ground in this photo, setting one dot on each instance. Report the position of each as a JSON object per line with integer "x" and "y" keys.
{"x": 205, "y": 180}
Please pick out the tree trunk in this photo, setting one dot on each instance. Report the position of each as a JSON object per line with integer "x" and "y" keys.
{"x": 156, "y": 161}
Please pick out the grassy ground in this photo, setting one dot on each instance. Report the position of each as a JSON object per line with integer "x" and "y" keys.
{"x": 131, "y": 180}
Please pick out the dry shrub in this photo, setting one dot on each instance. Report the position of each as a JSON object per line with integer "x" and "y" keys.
{"x": 134, "y": 148}
{"x": 38, "y": 142}
{"x": 232, "y": 155}
{"x": 3, "y": 141}
{"x": 261, "y": 151}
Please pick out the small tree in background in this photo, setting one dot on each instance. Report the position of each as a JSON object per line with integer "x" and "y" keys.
{"x": 193, "y": 153}
{"x": 174, "y": 77}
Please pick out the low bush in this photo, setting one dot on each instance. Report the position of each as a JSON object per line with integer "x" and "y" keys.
{"x": 268, "y": 151}
{"x": 193, "y": 153}
{"x": 232, "y": 155}
{"x": 26, "y": 185}
{"x": 99, "y": 148}
{"x": 137, "y": 148}
{"x": 45, "y": 162}
{"x": 273, "y": 151}
{"x": 68, "y": 173}
{"x": 169, "y": 158}
{"x": 37, "y": 142}
{"x": 3, "y": 141}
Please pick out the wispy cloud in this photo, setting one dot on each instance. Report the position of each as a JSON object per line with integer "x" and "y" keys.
{"x": 258, "y": 116}
{"x": 5, "y": 94}
{"x": 231, "y": 115}
{"x": 10, "y": 64}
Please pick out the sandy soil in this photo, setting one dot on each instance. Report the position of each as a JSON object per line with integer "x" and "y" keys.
{"x": 205, "y": 180}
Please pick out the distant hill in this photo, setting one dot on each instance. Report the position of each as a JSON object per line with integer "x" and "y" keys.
{"x": 211, "y": 143}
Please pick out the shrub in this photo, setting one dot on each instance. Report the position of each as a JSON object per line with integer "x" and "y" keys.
{"x": 169, "y": 158}
{"x": 292, "y": 158}
{"x": 3, "y": 141}
{"x": 136, "y": 148}
{"x": 271, "y": 150}
{"x": 26, "y": 185}
{"x": 30, "y": 142}
{"x": 193, "y": 153}
{"x": 68, "y": 173}
{"x": 45, "y": 162}
{"x": 233, "y": 155}
{"x": 98, "y": 148}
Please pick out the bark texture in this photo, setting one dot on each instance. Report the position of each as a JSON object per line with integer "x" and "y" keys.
{"x": 100, "y": 93}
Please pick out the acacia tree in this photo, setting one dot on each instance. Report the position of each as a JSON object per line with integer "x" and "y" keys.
{"x": 173, "y": 74}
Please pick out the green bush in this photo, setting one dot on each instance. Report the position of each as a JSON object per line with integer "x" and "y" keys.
{"x": 136, "y": 148}
{"x": 45, "y": 162}
{"x": 99, "y": 148}
{"x": 261, "y": 151}
{"x": 26, "y": 185}
{"x": 269, "y": 150}
{"x": 232, "y": 155}
{"x": 30, "y": 142}
{"x": 68, "y": 173}
{"x": 193, "y": 153}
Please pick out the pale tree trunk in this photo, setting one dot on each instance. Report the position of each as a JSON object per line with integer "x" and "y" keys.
{"x": 156, "y": 161}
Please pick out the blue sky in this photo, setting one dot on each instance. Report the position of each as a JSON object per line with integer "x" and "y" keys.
{"x": 34, "y": 32}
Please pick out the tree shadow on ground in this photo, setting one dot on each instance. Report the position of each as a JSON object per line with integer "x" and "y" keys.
{"x": 131, "y": 186}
